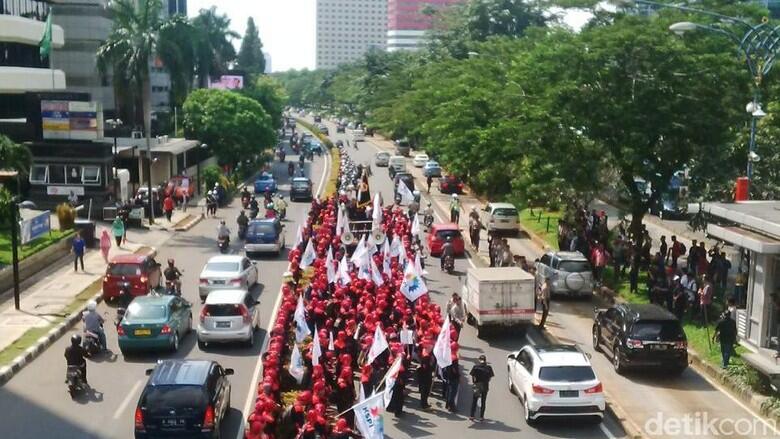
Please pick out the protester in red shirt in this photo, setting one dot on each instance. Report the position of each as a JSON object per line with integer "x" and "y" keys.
{"x": 168, "y": 207}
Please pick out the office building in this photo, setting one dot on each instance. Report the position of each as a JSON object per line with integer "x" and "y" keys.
{"x": 408, "y": 22}
{"x": 346, "y": 29}
{"x": 267, "y": 57}
{"x": 177, "y": 7}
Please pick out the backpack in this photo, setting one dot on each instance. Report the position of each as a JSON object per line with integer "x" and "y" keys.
{"x": 682, "y": 248}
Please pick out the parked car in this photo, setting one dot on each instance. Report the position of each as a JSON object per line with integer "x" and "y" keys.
{"x": 641, "y": 336}
{"x": 141, "y": 272}
{"x": 420, "y": 159}
{"x": 402, "y": 147}
{"x": 264, "y": 236}
{"x": 317, "y": 118}
{"x": 340, "y": 128}
{"x": 500, "y": 217}
{"x": 396, "y": 163}
{"x": 183, "y": 398}
{"x": 555, "y": 381}
{"x": 438, "y": 236}
{"x": 227, "y": 272}
{"x": 154, "y": 322}
{"x": 431, "y": 169}
{"x": 265, "y": 182}
{"x": 228, "y": 316}
{"x": 450, "y": 184}
{"x": 322, "y": 129}
{"x": 570, "y": 273}
{"x": 179, "y": 186}
{"x": 300, "y": 189}
{"x": 406, "y": 177}
{"x": 382, "y": 159}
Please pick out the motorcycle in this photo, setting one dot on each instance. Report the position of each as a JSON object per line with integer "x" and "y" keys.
{"x": 242, "y": 231}
{"x": 224, "y": 244}
{"x": 122, "y": 302}
{"x": 91, "y": 343}
{"x": 245, "y": 200}
{"x": 449, "y": 264}
{"x": 281, "y": 156}
{"x": 291, "y": 169}
{"x": 428, "y": 220}
{"x": 75, "y": 380}
{"x": 253, "y": 213}
{"x": 173, "y": 287}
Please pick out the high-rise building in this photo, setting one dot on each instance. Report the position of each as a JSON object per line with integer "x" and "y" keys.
{"x": 22, "y": 69}
{"x": 408, "y": 22}
{"x": 346, "y": 29}
{"x": 267, "y": 57}
{"x": 177, "y": 7}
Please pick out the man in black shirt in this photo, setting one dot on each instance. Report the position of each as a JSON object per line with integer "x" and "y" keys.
{"x": 726, "y": 334}
{"x": 480, "y": 375}
{"x": 75, "y": 355}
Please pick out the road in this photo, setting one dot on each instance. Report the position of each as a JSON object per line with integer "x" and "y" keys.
{"x": 503, "y": 415}
{"x": 36, "y": 404}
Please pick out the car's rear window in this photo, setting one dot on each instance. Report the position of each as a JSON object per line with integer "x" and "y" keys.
{"x": 574, "y": 266}
{"x": 444, "y": 234}
{"x": 566, "y": 373}
{"x": 146, "y": 311}
{"x": 661, "y": 330}
{"x": 223, "y": 310}
{"x": 264, "y": 228}
{"x": 222, "y": 266}
{"x": 505, "y": 211}
{"x": 124, "y": 269}
{"x": 300, "y": 184}
{"x": 174, "y": 396}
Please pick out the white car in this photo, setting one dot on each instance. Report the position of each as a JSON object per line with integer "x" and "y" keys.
{"x": 555, "y": 380}
{"x": 228, "y": 316}
{"x": 227, "y": 272}
{"x": 500, "y": 217}
{"x": 382, "y": 158}
{"x": 420, "y": 159}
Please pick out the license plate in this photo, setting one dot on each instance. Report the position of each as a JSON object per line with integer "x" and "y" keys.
{"x": 173, "y": 422}
{"x": 142, "y": 332}
{"x": 658, "y": 347}
{"x": 503, "y": 221}
{"x": 569, "y": 393}
{"x": 223, "y": 324}
{"x": 218, "y": 282}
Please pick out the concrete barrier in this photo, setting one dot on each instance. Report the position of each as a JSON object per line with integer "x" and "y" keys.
{"x": 35, "y": 263}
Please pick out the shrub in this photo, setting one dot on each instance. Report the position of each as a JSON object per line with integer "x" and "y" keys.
{"x": 66, "y": 215}
{"x": 211, "y": 175}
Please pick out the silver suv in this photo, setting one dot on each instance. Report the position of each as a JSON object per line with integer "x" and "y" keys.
{"x": 228, "y": 316}
{"x": 570, "y": 273}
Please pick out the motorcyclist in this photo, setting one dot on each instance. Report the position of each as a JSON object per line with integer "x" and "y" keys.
{"x": 428, "y": 214}
{"x": 218, "y": 194}
{"x": 172, "y": 274}
{"x": 93, "y": 322}
{"x": 281, "y": 205}
{"x": 414, "y": 206}
{"x": 223, "y": 232}
{"x": 291, "y": 169}
{"x": 301, "y": 159}
{"x": 447, "y": 250}
{"x": 76, "y": 356}
{"x": 301, "y": 172}
{"x": 270, "y": 212}
{"x": 245, "y": 196}
{"x": 268, "y": 195}
{"x": 242, "y": 220}
{"x": 253, "y": 204}
{"x": 455, "y": 209}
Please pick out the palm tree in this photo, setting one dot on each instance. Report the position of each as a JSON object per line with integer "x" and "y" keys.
{"x": 177, "y": 53}
{"x": 213, "y": 44}
{"x": 14, "y": 156}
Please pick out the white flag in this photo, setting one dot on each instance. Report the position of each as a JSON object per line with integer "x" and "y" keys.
{"x": 403, "y": 258}
{"x": 344, "y": 271}
{"x": 390, "y": 377}
{"x": 330, "y": 342}
{"x": 395, "y": 246}
{"x": 418, "y": 266}
{"x": 298, "y": 236}
{"x": 415, "y": 226}
{"x": 360, "y": 250}
{"x": 301, "y": 328}
{"x": 412, "y": 286}
{"x": 406, "y": 195}
{"x": 340, "y": 220}
{"x": 309, "y": 255}
{"x": 378, "y": 345}
{"x": 386, "y": 268}
{"x": 376, "y": 276}
{"x": 376, "y": 212}
{"x": 330, "y": 266}
{"x": 363, "y": 266}
{"x": 368, "y": 416}
{"x": 442, "y": 350}
{"x": 296, "y": 364}
{"x": 316, "y": 349}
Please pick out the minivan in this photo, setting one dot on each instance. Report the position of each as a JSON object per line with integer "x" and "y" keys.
{"x": 501, "y": 217}
{"x": 402, "y": 147}
{"x": 228, "y": 316}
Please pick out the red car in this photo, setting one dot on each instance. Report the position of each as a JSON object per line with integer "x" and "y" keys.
{"x": 439, "y": 234}
{"x": 180, "y": 185}
{"x": 142, "y": 272}
{"x": 450, "y": 184}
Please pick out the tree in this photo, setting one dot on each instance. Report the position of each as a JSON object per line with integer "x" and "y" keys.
{"x": 177, "y": 52}
{"x": 250, "y": 55}
{"x": 213, "y": 47}
{"x": 14, "y": 156}
{"x": 270, "y": 94}
{"x": 234, "y": 126}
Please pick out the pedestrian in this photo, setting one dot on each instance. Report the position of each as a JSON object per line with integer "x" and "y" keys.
{"x": 118, "y": 229}
{"x": 677, "y": 250}
{"x": 543, "y": 298}
{"x": 705, "y": 299}
{"x": 455, "y": 209}
{"x": 663, "y": 248}
{"x": 429, "y": 181}
{"x": 425, "y": 376}
{"x": 451, "y": 375}
{"x": 105, "y": 244}
{"x": 491, "y": 248}
{"x": 726, "y": 334}
{"x": 679, "y": 299}
{"x": 78, "y": 247}
{"x": 722, "y": 271}
{"x": 168, "y": 205}
{"x": 480, "y": 376}
{"x": 693, "y": 253}
{"x": 475, "y": 226}
{"x": 456, "y": 312}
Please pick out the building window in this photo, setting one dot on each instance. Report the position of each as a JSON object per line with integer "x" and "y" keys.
{"x": 38, "y": 174}
{"x": 74, "y": 174}
{"x": 56, "y": 174}
{"x": 91, "y": 175}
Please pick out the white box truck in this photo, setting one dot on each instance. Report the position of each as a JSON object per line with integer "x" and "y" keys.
{"x": 357, "y": 135}
{"x": 501, "y": 296}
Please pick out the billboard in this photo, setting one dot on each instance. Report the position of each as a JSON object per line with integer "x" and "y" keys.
{"x": 71, "y": 120}
{"x": 35, "y": 227}
{"x": 227, "y": 82}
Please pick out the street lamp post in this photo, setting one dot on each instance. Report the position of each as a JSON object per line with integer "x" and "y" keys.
{"x": 115, "y": 123}
{"x": 758, "y": 44}
{"x": 202, "y": 147}
{"x": 15, "y": 243}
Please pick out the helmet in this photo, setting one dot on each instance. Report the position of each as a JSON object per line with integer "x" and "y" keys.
{"x": 449, "y": 238}
{"x": 91, "y": 305}
{"x": 170, "y": 262}
{"x": 75, "y": 339}
{"x": 270, "y": 206}
{"x": 454, "y": 195}
{"x": 222, "y": 222}
{"x": 281, "y": 197}
{"x": 216, "y": 185}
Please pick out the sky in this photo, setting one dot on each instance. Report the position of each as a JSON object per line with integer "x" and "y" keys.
{"x": 286, "y": 27}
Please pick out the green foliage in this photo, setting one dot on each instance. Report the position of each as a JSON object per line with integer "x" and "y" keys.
{"x": 270, "y": 93}
{"x": 234, "y": 126}
{"x": 66, "y": 215}
{"x": 211, "y": 174}
{"x": 213, "y": 48}
{"x": 250, "y": 55}
{"x": 14, "y": 156}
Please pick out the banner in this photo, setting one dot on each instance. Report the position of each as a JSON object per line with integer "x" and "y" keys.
{"x": 368, "y": 416}
{"x": 35, "y": 227}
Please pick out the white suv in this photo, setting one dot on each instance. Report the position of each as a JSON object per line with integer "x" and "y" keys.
{"x": 228, "y": 316}
{"x": 555, "y": 380}
{"x": 570, "y": 273}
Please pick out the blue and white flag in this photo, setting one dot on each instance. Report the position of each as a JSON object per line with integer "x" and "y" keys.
{"x": 442, "y": 350}
{"x": 418, "y": 266}
{"x": 415, "y": 227}
{"x": 376, "y": 211}
{"x": 301, "y": 328}
{"x": 368, "y": 416}
{"x": 376, "y": 276}
{"x": 309, "y": 256}
{"x": 331, "y": 347}
{"x": 330, "y": 266}
{"x": 363, "y": 266}
{"x": 296, "y": 364}
{"x": 406, "y": 195}
{"x": 378, "y": 345}
{"x": 403, "y": 258}
{"x": 413, "y": 285}
{"x": 344, "y": 271}
{"x": 316, "y": 349}
{"x": 360, "y": 250}
{"x": 395, "y": 246}
{"x": 390, "y": 377}
{"x": 386, "y": 267}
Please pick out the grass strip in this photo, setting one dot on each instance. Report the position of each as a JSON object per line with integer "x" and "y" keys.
{"x": 546, "y": 227}
{"x": 31, "y": 247}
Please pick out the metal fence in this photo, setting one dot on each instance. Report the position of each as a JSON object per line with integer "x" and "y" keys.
{"x": 33, "y": 9}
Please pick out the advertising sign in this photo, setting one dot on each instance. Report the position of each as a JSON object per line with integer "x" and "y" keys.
{"x": 65, "y": 190}
{"x": 83, "y": 120}
{"x": 228, "y": 82}
{"x": 55, "y": 119}
{"x": 71, "y": 120}
{"x": 35, "y": 227}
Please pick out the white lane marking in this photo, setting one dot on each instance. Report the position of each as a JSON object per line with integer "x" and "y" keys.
{"x": 250, "y": 398}
{"x": 606, "y": 431}
{"x": 122, "y": 407}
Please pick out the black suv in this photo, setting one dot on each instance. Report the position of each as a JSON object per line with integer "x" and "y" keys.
{"x": 300, "y": 189}
{"x": 641, "y": 336}
{"x": 183, "y": 398}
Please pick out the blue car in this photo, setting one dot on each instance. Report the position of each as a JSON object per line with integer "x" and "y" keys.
{"x": 316, "y": 147}
{"x": 431, "y": 169}
{"x": 264, "y": 183}
{"x": 264, "y": 236}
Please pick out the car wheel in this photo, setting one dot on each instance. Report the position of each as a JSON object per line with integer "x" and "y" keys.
{"x": 189, "y": 324}
{"x": 617, "y": 363}
{"x": 251, "y": 340}
{"x": 175, "y": 342}
{"x": 201, "y": 345}
{"x": 528, "y": 414}
{"x": 596, "y": 339}
{"x": 509, "y": 382}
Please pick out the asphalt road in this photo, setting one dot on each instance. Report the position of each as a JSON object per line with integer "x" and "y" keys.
{"x": 36, "y": 404}
{"x": 504, "y": 411}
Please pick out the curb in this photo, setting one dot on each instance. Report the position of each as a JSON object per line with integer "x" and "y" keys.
{"x": 190, "y": 224}
{"x": 536, "y": 239}
{"x": 33, "y": 352}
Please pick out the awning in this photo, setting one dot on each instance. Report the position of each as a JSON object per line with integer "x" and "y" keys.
{"x": 745, "y": 239}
